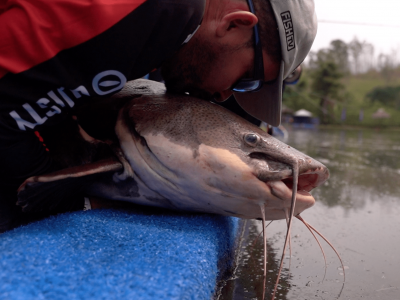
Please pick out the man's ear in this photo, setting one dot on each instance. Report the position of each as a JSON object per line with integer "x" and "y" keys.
{"x": 238, "y": 20}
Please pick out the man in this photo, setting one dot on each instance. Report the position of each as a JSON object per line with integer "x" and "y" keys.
{"x": 56, "y": 55}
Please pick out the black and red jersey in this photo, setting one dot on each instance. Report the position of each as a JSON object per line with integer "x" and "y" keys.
{"x": 55, "y": 54}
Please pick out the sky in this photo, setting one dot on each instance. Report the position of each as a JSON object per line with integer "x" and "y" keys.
{"x": 385, "y": 39}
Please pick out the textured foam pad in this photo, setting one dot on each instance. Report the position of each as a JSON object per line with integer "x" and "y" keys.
{"x": 116, "y": 254}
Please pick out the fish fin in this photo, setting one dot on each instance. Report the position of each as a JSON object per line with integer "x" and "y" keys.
{"x": 61, "y": 190}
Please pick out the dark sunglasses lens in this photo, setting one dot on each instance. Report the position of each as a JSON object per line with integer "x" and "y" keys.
{"x": 247, "y": 86}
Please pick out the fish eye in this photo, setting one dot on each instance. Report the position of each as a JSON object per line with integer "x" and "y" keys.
{"x": 251, "y": 139}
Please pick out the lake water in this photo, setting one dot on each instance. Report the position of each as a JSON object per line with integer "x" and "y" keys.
{"x": 358, "y": 210}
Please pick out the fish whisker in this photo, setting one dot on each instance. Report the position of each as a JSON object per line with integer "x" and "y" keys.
{"x": 319, "y": 244}
{"x": 293, "y": 202}
{"x": 329, "y": 243}
{"x": 262, "y": 207}
{"x": 290, "y": 238}
{"x": 258, "y": 236}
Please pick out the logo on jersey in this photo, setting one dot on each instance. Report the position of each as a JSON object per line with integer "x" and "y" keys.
{"x": 108, "y": 81}
{"x": 55, "y": 101}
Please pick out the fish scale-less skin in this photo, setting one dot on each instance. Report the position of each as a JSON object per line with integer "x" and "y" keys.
{"x": 182, "y": 118}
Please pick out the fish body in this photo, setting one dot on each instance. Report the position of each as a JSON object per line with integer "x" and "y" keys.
{"x": 182, "y": 153}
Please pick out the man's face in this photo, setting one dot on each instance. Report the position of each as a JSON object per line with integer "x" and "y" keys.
{"x": 208, "y": 71}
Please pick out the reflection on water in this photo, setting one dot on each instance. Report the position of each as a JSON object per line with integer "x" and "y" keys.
{"x": 365, "y": 166}
{"x": 357, "y": 210}
{"x": 248, "y": 280}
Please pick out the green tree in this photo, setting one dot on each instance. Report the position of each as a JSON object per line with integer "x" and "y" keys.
{"x": 297, "y": 96}
{"x": 339, "y": 52}
{"x": 389, "y": 95}
{"x": 387, "y": 65}
{"x": 327, "y": 87}
{"x": 356, "y": 49}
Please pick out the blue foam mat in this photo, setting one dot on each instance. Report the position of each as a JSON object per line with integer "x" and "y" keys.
{"x": 115, "y": 254}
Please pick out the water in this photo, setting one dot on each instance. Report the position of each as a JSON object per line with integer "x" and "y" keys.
{"x": 357, "y": 210}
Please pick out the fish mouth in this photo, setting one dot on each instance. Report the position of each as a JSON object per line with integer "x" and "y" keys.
{"x": 306, "y": 182}
{"x": 283, "y": 189}
{"x": 278, "y": 177}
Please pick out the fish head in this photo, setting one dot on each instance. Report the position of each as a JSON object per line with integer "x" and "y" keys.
{"x": 202, "y": 157}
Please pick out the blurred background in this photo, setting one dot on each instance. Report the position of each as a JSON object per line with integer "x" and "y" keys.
{"x": 351, "y": 76}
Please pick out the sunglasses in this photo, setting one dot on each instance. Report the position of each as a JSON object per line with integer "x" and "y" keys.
{"x": 253, "y": 84}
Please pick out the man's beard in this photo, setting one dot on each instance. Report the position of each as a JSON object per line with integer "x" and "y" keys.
{"x": 187, "y": 69}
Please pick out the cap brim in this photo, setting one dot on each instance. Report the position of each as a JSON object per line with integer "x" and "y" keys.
{"x": 266, "y": 103}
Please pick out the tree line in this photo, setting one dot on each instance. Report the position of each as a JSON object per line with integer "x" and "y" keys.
{"x": 323, "y": 88}
{"x": 357, "y": 57}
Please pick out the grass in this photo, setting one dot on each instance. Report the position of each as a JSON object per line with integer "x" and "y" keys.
{"x": 357, "y": 87}
{"x": 360, "y": 85}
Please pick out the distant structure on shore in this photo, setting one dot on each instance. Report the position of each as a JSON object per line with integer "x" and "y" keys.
{"x": 304, "y": 119}
{"x": 380, "y": 114}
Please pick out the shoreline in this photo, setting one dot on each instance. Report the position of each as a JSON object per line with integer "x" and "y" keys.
{"x": 351, "y": 127}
